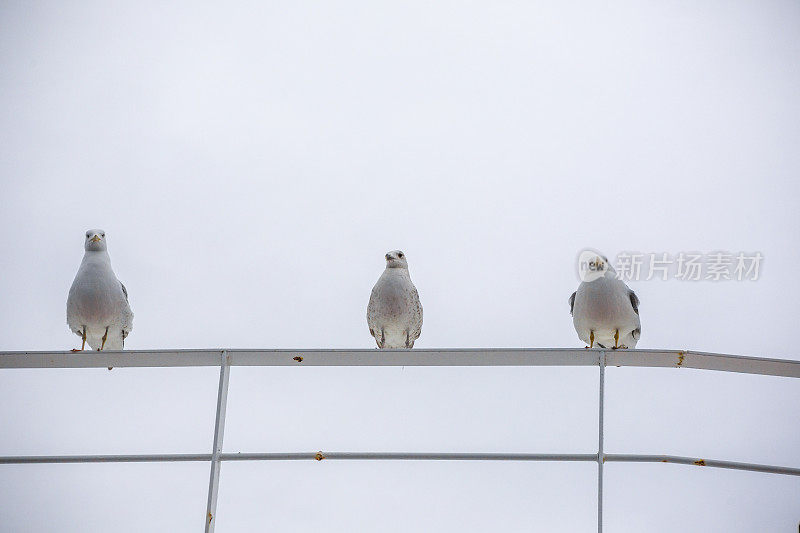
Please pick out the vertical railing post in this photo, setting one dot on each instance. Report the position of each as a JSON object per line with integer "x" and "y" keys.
{"x": 219, "y": 431}
{"x": 600, "y": 454}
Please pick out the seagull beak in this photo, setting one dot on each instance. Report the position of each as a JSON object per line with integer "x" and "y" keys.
{"x": 96, "y": 238}
{"x": 388, "y": 257}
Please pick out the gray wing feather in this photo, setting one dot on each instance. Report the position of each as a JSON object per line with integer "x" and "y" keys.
{"x": 417, "y": 331}
{"x": 572, "y": 302}
{"x": 371, "y": 311}
{"x": 634, "y": 301}
{"x": 127, "y": 325}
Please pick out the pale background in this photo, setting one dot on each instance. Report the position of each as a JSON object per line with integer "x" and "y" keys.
{"x": 251, "y": 164}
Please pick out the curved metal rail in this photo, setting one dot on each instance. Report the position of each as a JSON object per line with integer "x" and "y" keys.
{"x": 225, "y": 359}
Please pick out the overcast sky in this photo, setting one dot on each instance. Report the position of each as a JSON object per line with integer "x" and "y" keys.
{"x": 251, "y": 164}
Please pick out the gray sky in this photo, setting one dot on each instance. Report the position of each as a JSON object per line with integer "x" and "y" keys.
{"x": 251, "y": 165}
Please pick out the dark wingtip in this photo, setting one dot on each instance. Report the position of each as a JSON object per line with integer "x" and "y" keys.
{"x": 634, "y": 301}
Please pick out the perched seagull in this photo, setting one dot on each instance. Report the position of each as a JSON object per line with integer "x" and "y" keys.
{"x": 604, "y": 310}
{"x": 97, "y": 306}
{"x": 394, "y": 314}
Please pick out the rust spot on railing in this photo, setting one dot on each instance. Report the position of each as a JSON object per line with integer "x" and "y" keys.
{"x": 320, "y": 456}
{"x": 298, "y": 358}
{"x": 700, "y": 462}
{"x": 681, "y": 356}
{"x": 210, "y": 518}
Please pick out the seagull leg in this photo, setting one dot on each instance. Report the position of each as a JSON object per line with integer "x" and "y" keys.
{"x": 591, "y": 339}
{"x": 83, "y": 344}
{"x": 123, "y": 345}
{"x": 407, "y": 340}
{"x": 616, "y": 339}
{"x": 383, "y": 339}
{"x": 105, "y": 335}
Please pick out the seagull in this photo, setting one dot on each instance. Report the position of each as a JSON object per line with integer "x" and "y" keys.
{"x": 97, "y": 305}
{"x": 604, "y": 310}
{"x": 394, "y": 313}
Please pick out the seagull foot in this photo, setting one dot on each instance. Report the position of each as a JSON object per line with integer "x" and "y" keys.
{"x": 105, "y": 336}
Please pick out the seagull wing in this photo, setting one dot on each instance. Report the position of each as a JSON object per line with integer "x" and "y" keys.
{"x": 634, "y": 301}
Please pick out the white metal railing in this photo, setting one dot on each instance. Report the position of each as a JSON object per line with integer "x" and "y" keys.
{"x": 225, "y": 359}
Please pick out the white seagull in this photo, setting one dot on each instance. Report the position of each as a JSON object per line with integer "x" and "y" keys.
{"x": 605, "y": 312}
{"x": 394, "y": 313}
{"x": 97, "y": 306}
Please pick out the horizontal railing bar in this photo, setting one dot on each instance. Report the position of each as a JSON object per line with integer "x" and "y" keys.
{"x": 419, "y": 357}
{"x": 152, "y": 458}
{"x": 401, "y": 456}
{"x": 704, "y": 361}
{"x": 623, "y": 458}
{"x": 416, "y": 357}
{"x": 410, "y": 456}
{"x": 297, "y": 456}
{"x": 369, "y": 357}
{"x": 128, "y": 358}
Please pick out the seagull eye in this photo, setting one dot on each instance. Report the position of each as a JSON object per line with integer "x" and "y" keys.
{"x": 400, "y": 254}
{"x": 102, "y": 234}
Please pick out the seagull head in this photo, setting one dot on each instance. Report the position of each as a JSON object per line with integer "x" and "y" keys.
{"x": 600, "y": 263}
{"x": 95, "y": 241}
{"x": 593, "y": 265}
{"x": 396, "y": 259}
{"x": 605, "y": 265}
